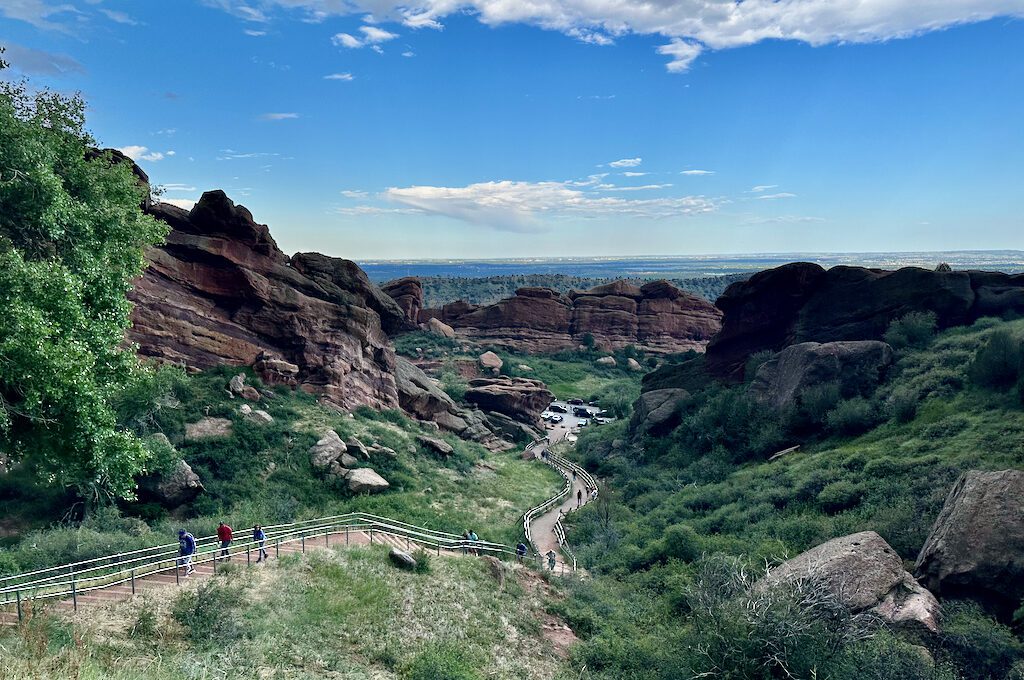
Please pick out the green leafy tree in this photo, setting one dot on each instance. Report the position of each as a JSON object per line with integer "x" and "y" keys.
{"x": 72, "y": 236}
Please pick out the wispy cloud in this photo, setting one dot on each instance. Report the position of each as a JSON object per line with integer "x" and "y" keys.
{"x": 340, "y": 76}
{"x": 254, "y": 34}
{"x": 232, "y": 155}
{"x": 645, "y": 187}
{"x": 773, "y": 197}
{"x": 184, "y": 203}
{"x": 372, "y": 37}
{"x": 39, "y": 63}
{"x": 697, "y": 173}
{"x": 761, "y": 188}
{"x": 118, "y": 17}
{"x": 690, "y": 27}
{"x": 626, "y": 163}
{"x": 141, "y": 153}
{"x": 634, "y": 174}
{"x": 39, "y": 13}
{"x": 279, "y": 116}
{"x": 351, "y": 193}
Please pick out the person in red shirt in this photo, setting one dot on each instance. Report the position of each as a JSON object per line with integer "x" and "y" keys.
{"x": 224, "y": 535}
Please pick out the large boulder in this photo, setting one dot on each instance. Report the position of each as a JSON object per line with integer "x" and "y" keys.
{"x": 436, "y": 445}
{"x": 408, "y": 294}
{"x": 491, "y": 362}
{"x": 657, "y": 412}
{"x": 802, "y": 302}
{"x": 976, "y": 546}
{"x": 327, "y": 450}
{"x": 522, "y": 399}
{"x": 421, "y": 397}
{"x": 854, "y": 366}
{"x": 173, "y": 486}
{"x": 438, "y": 327}
{"x": 365, "y": 480}
{"x": 220, "y": 292}
{"x": 867, "y": 575}
{"x": 402, "y": 559}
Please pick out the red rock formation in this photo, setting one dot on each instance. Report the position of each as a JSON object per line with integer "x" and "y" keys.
{"x": 220, "y": 291}
{"x": 519, "y": 398}
{"x": 408, "y": 293}
{"x": 657, "y": 317}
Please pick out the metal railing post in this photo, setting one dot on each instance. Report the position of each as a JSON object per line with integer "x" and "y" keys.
{"x": 346, "y": 534}
{"x": 74, "y": 593}
{"x": 277, "y": 548}
{"x": 177, "y": 572}
{"x": 17, "y": 595}
{"x": 215, "y": 562}
{"x": 248, "y": 556}
{"x": 302, "y": 538}
{"x": 133, "y": 581}
{"x": 371, "y": 534}
{"x": 327, "y": 537}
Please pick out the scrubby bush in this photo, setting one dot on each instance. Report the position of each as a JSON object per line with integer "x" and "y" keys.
{"x": 815, "y": 402}
{"x": 441, "y": 661}
{"x": 997, "y": 363}
{"x": 852, "y": 416}
{"x": 981, "y": 647}
{"x": 901, "y": 405}
{"x": 209, "y": 614}
{"x": 915, "y": 329}
{"x": 839, "y": 496}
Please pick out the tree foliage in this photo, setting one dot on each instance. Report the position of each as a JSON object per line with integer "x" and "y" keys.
{"x": 72, "y": 235}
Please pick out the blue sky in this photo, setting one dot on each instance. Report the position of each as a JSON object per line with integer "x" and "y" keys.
{"x": 487, "y": 128}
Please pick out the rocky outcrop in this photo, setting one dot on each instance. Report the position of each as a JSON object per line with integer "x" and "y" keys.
{"x": 491, "y": 362}
{"x": 976, "y": 546}
{"x": 436, "y": 445}
{"x": 801, "y": 302}
{"x": 867, "y": 575}
{"x": 327, "y": 450}
{"x": 208, "y": 428}
{"x": 419, "y": 396}
{"x": 176, "y": 485}
{"x": 408, "y": 293}
{"x": 438, "y": 327}
{"x": 657, "y": 317}
{"x": 855, "y": 367}
{"x": 521, "y": 399}
{"x": 365, "y": 480}
{"x": 219, "y": 291}
{"x": 657, "y": 412}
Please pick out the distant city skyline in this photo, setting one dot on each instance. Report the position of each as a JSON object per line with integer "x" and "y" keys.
{"x": 612, "y": 128}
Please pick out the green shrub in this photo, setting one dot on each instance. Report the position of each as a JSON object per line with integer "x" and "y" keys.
{"x": 441, "y": 661}
{"x": 754, "y": 362}
{"x": 915, "y": 329}
{"x": 209, "y": 614}
{"x": 816, "y": 401}
{"x": 839, "y": 496}
{"x": 145, "y": 624}
{"x": 901, "y": 405}
{"x": 852, "y": 416}
{"x": 997, "y": 363}
{"x": 978, "y": 645}
{"x": 423, "y": 559}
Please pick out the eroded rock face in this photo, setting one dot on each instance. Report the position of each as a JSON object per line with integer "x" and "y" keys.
{"x": 419, "y": 396}
{"x": 522, "y": 399}
{"x": 657, "y": 412}
{"x": 867, "y": 575}
{"x": 365, "y": 480}
{"x": 173, "y": 487}
{"x": 220, "y": 291}
{"x": 327, "y": 450}
{"x": 408, "y": 293}
{"x": 801, "y": 302}
{"x": 976, "y": 546}
{"x": 854, "y": 366}
{"x": 657, "y": 317}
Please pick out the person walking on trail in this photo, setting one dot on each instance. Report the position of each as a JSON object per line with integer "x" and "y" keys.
{"x": 465, "y": 540}
{"x": 520, "y": 552}
{"x": 473, "y": 538}
{"x": 259, "y": 537}
{"x": 579, "y": 497}
{"x": 224, "y": 535}
{"x": 552, "y": 556}
{"x": 593, "y": 494}
{"x": 574, "y": 475}
{"x": 186, "y": 548}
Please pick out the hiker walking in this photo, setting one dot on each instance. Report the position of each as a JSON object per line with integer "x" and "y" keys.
{"x": 465, "y": 540}
{"x": 579, "y": 497}
{"x": 473, "y": 538}
{"x": 552, "y": 556}
{"x": 520, "y": 552}
{"x": 574, "y": 475}
{"x": 259, "y": 537}
{"x": 186, "y": 548}
{"x": 224, "y": 535}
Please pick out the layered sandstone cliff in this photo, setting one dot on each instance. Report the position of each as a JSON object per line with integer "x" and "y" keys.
{"x": 656, "y": 317}
{"x": 220, "y": 291}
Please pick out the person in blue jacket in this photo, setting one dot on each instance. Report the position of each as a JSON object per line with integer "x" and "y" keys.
{"x": 187, "y": 548}
{"x": 260, "y": 538}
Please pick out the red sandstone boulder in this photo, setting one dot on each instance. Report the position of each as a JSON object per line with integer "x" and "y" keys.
{"x": 522, "y": 399}
{"x": 408, "y": 293}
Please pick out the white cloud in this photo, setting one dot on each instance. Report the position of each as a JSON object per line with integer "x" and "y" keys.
{"x": 166, "y": 131}
{"x": 38, "y": 12}
{"x": 173, "y": 186}
{"x": 232, "y": 155}
{"x": 142, "y": 153}
{"x": 185, "y": 203}
{"x": 37, "y": 62}
{"x": 408, "y": 53}
{"x": 254, "y": 34}
{"x": 279, "y": 116}
{"x": 784, "y": 219}
{"x": 645, "y": 187}
{"x": 118, "y": 17}
{"x": 371, "y": 37}
{"x": 690, "y": 26}
{"x": 349, "y": 193}
{"x": 518, "y": 206}
{"x": 370, "y": 210}
{"x": 773, "y": 197}
{"x": 634, "y": 174}
{"x": 697, "y": 173}
{"x": 761, "y": 188}
{"x": 340, "y": 76}
{"x": 626, "y": 163}
{"x": 681, "y": 53}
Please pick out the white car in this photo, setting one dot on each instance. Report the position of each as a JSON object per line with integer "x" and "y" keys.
{"x": 583, "y": 422}
{"x": 571, "y": 437}
{"x": 547, "y": 415}
{"x": 556, "y": 418}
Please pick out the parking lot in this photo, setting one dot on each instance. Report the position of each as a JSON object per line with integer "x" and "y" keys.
{"x": 570, "y": 423}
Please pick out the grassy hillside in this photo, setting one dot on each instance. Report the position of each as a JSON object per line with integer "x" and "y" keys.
{"x": 702, "y": 508}
{"x": 344, "y": 613}
{"x": 262, "y": 474}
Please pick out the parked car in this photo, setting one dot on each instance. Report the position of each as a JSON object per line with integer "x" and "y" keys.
{"x": 558, "y": 409}
{"x": 574, "y": 402}
{"x": 602, "y": 421}
{"x": 581, "y": 412}
{"x": 546, "y": 415}
{"x": 583, "y": 422}
{"x": 556, "y": 418}
{"x": 595, "y": 402}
